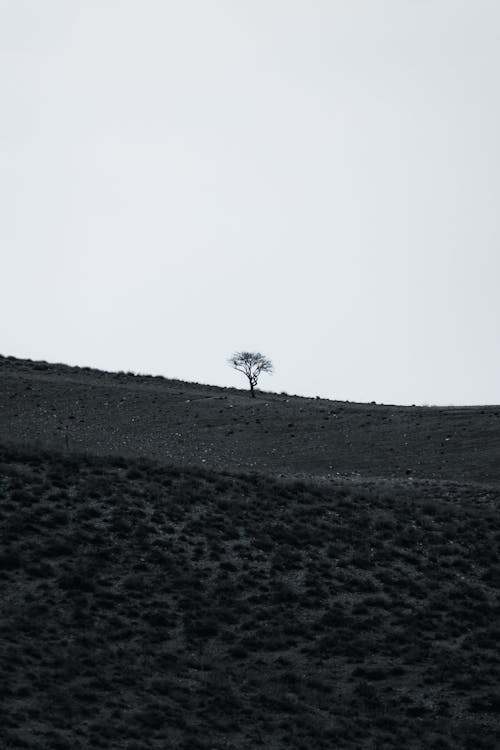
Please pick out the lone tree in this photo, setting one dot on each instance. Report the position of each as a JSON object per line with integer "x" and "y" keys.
{"x": 251, "y": 364}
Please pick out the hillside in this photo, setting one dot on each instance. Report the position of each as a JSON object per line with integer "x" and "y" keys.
{"x": 184, "y": 567}
{"x": 74, "y": 409}
{"x": 150, "y": 607}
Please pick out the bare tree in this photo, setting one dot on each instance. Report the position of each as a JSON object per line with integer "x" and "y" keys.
{"x": 251, "y": 364}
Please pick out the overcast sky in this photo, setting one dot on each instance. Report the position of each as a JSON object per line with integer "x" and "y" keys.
{"x": 318, "y": 180}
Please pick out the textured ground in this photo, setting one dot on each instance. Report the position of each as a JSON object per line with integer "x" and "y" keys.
{"x": 150, "y": 603}
{"x": 190, "y": 424}
{"x": 148, "y": 607}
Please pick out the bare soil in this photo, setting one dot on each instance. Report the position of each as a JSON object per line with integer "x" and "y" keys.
{"x": 74, "y": 409}
{"x": 166, "y": 582}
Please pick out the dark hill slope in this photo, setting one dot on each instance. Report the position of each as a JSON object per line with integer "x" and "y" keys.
{"x": 78, "y": 409}
{"x": 150, "y": 607}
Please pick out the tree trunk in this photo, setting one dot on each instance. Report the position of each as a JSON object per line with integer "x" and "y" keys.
{"x": 251, "y": 390}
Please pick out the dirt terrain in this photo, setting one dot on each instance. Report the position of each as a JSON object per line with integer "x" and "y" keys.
{"x": 73, "y": 409}
{"x": 184, "y": 567}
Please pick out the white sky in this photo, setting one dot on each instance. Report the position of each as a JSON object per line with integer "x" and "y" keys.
{"x": 315, "y": 179}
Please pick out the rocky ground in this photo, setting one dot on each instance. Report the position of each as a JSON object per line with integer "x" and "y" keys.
{"x": 192, "y": 599}
{"x": 74, "y": 409}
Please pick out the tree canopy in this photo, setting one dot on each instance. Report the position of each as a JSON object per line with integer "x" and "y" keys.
{"x": 251, "y": 364}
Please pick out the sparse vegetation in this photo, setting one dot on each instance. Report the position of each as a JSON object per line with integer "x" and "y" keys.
{"x": 147, "y": 606}
{"x": 182, "y": 566}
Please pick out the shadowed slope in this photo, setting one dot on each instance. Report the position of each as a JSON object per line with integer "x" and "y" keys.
{"x": 149, "y": 607}
{"x": 77, "y": 409}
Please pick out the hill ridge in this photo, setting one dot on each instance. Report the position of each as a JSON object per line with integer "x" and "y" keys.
{"x": 67, "y": 408}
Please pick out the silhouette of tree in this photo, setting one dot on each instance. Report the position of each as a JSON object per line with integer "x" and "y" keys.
{"x": 251, "y": 364}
